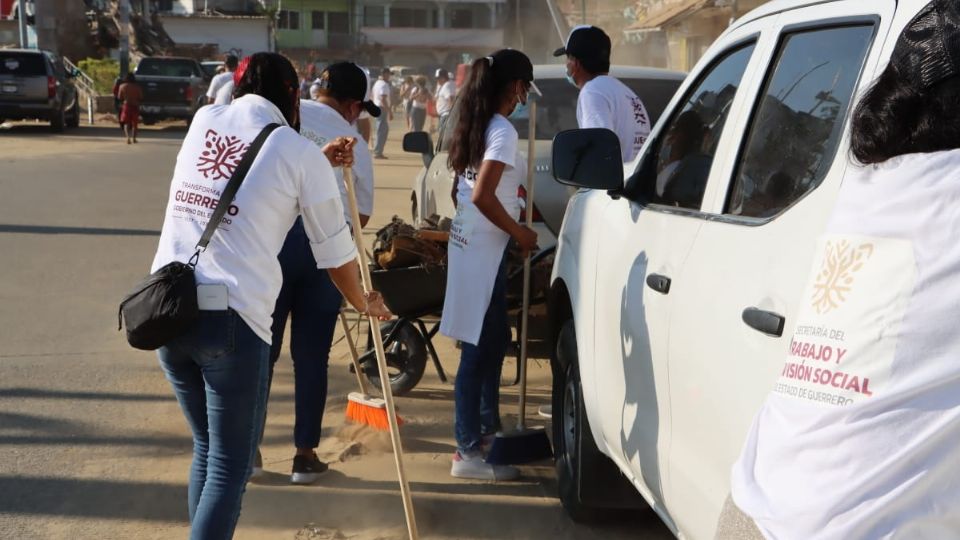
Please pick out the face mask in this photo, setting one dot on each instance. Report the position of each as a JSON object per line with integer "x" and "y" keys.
{"x": 572, "y": 81}
{"x": 520, "y": 112}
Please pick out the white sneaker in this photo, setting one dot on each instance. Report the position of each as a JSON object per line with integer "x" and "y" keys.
{"x": 471, "y": 465}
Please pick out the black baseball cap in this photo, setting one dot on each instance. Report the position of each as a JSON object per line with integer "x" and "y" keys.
{"x": 511, "y": 64}
{"x": 346, "y": 80}
{"x": 586, "y": 42}
{"x": 928, "y": 50}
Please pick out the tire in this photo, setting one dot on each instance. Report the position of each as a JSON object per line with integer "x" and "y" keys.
{"x": 406, "y": 356}
{"x": 58, "y": 121}
{"x": 148, "y": 120}
{"x": 74, "y": 119}
{"x": 572, "y": 436}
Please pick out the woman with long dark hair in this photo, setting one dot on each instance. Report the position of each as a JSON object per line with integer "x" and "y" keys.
{"x": 485, "y": 157}
{"x": 219, "y": 368}
{"x": 860, "y": 439}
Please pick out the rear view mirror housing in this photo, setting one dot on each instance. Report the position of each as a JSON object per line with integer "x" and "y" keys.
{"x": 588, "y": 158}
{"x": 419, "y": 142}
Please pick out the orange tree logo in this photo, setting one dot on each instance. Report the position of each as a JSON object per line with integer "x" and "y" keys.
{"x": 835, "y": 280}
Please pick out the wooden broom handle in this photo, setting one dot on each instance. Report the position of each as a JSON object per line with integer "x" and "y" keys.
{"x": 381, "y": 359}
{"x": 354, "y": 357}
{"x": 525, "y": 313}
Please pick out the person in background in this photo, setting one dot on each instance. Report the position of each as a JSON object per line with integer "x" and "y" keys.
{"x": 230, "y": 63}
{"x": 308, "y": 296}
{"x": 219, "y": 368}
{"x": 446, "y": 95}
{"x": 131, "y": 95}
{"x": 419, "y": 97}
{"x": 225, "y": 94}
{"x": 484, "y": 155}
{"x": 381, "y": 98}
{"x": 117, "y": 102}
{"x": 604, "y": 101}
{"x": 363, "y": 123}
{"x": 865, "y": 445}
{"x": 310, "y": 74}
{"x": 405, "y": 90}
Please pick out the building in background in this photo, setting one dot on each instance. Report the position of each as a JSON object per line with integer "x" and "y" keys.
{"x": 676, "y": 33}
{"x": 206, "y": 28}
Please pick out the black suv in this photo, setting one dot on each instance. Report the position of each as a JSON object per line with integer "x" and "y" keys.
{"x": 35, "y": 85}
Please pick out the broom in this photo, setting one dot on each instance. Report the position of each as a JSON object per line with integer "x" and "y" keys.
{"x": 362, "y": 407}
{"x": 392, "y": 422}
{"x": 524, "y": 445}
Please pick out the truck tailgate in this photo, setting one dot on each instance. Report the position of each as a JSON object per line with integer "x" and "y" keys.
{"x": 165, "y": 90}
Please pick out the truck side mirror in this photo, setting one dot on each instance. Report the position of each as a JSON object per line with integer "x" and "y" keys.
{"x": 588, "y": 158}
{"x": 419, "y": 142}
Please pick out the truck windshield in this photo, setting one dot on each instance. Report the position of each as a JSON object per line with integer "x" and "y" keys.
{"x": 23, "y": 64}
{"x": 165, "y": 67}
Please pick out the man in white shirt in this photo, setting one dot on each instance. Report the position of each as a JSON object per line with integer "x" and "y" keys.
{"x": 308, "y": 296}
{"x": 382, "y": 92}
{"x": 604, "y": 101}
{"x": 446, "y": 95}
{"x": 230, "y": 62}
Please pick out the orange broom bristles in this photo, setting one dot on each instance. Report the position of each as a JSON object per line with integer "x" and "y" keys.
{"x": 369, "y": 411}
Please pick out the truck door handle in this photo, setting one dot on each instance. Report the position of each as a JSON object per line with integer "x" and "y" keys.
{"x": 765, "y": 322}
{"x": 659, "y": 283}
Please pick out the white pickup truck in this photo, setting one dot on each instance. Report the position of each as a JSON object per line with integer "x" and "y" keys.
{"x": 676, "y": 275}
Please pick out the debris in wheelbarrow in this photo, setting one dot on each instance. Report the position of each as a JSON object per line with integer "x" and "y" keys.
{"x": 399, "y": 245}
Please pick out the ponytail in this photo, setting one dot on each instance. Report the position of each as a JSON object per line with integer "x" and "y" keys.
{"x": 479, "y": 101}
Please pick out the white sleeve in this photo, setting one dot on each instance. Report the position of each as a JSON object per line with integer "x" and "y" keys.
{"x": 322, "y": 211}
{"x": 215, "y": 85}
{"x": 501, "y": 146}
{"x": 594, "y": 110}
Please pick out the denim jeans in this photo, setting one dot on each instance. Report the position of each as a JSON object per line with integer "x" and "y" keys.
{"x": 383, "y": 129}
{"x": 312, "y": 300}
{"x": 218, "y": 371}
{"x": 477, "y": 387}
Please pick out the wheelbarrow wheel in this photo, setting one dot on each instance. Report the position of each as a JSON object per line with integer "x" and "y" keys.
{"x": 406, "y": 358}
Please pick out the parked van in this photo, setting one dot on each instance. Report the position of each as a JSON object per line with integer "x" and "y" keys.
{"x": 677, "y": 274}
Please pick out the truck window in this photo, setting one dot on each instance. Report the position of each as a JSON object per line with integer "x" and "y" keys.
{"x": 22, "y": 64}
{"x": 797, "y": 126}
{"x": 166, "y": 68}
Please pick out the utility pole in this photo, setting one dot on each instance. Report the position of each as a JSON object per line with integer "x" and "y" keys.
{"x": 22, "y": 24}
{"x": 124, "y": 37}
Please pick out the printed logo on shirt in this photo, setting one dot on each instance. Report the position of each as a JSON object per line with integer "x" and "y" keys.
{"x": 846, "y": 336}
{"x": 314, "y": 137}
{"x": 639, "y": 114}
{"x": 221, "y": 156}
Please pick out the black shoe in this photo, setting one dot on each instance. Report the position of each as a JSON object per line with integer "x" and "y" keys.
{"x": 306, "y": 469}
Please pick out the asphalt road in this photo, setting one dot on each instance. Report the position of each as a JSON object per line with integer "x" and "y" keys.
{"x": 92, "y": 443}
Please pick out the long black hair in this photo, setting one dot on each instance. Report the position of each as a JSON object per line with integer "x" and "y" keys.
{"x": 489, "y": 83}
{"x": 273, "y": 77}
{"x": 898, "y": 116}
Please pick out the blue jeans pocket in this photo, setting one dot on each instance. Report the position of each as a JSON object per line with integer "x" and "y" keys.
{"x": 215, "y": 334}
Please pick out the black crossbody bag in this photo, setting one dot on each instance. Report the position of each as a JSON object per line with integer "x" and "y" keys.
{"x": 164, "y": 305}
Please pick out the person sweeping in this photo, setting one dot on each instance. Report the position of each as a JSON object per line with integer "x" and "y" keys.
{"x": 485, "y": 157}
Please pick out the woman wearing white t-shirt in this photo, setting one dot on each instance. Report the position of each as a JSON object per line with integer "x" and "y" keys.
{"x": 219, "y": 367}
{"x": 864, "y": 444}
{"x": 489, "y": 169}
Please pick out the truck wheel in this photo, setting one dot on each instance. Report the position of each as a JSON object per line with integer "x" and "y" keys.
{"x": 74, "y": 119}
{"x": 58, "y": 121}
{"x": 406, "y": 358}
{"x": 590, "y": 485}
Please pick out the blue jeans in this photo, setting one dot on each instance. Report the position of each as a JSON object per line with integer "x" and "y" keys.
{"x": 383, "y": 129}
{"x": 308, "y": 296}
{"x": 477, "y": 388}
{"x": 218, "y": 371}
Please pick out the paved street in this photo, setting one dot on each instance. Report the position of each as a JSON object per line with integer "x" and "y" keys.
{"x": 92, "y": 442}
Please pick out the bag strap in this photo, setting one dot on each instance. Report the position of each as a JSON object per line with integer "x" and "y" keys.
{"x": 230, "y": 192}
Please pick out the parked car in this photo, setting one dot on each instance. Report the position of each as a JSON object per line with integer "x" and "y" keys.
{"x": 557, "y": 111}
{"x": 672, "y": 288}
{"x": 35, "y": 85}
{"x": 172, "y": 88}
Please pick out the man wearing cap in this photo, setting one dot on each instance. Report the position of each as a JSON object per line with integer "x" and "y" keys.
{"x": 604, "y": 101}
{"x": 230, "y": 62}
{"x": 308, "y": 295}
{"x": 446, "y": 94}
{"x": 382, "y": 91}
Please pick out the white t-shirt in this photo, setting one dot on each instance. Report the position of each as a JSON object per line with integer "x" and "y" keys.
{"x": 217, "y": 83}
{"x": 859, "y": 438}
{"x": 502, "y": 144}
{"x": 225, "y": 94}
{"x": 322, "y": 124}
{"x": 606, "y": 102}
{"x": 445, "y": 97}
{"x": 381, "y": 89}
{"x": 289, "y": 177}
